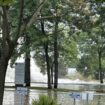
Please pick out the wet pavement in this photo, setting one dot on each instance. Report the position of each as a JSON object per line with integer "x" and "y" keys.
{"x": 12, "y": 97}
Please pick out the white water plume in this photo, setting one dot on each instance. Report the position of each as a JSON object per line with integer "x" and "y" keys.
{"x": 36, "y": 76}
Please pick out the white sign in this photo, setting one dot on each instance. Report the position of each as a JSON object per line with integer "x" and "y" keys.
{"x": 84, "y": 96}
{"x": 19, "y": 73}
{"x": 87, "y": 96}
{"x": 22, "y": 90}
{"x": 75, "y": 95}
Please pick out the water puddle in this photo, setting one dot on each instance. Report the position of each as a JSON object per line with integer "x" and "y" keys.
{"x": 11, "y": 97}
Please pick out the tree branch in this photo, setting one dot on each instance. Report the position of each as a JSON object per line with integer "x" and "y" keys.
{"x": 20, "y": 21}
{"x": 48, "y": 17}
{"x": 5, "y": 24}
{"x": 23, "y": 27}
{"x": 35, "y": 15}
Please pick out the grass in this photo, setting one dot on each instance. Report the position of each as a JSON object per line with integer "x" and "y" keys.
{"x": 44, "y": 100}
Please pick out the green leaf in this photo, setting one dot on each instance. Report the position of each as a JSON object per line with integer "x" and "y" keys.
{"x": 6, "y": 2}
{"x": 100, "y": 0}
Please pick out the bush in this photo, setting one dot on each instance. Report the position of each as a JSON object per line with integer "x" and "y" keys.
{"x": 44, "y": 100}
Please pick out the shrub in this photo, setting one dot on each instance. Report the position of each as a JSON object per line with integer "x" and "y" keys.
{"x": 44, "y": 100}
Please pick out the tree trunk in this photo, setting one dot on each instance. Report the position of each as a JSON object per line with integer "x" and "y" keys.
{"x": 2, "y": 81}
{"x": 100, "y": 67}
{"x": 3, "y": 68}
{"x": 27, "y": 62}
{"x": 56, "y": 54}
{"x": 47, "y": 57}
{"x": 52, "y": 74}
{"x": 48, "y": 66}
{"x": 27, "y": 70}
{"x": 5, "y": 54}
{"x": 6, "y": 50}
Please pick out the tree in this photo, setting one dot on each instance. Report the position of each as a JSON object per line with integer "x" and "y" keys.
{"x": 45, "y": 45}
{"x": 92, "y": 46}
{"x": 27, "y": 60}
{"x": 56, "y": 54}
{"x": 8, "y": 41}
{"x": 91, "y": 18}
{"x": 54, "y": 36}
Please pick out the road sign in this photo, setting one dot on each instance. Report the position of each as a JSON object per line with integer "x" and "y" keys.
{"x": 22, "y": 90}
{"x": 75, "y": 95}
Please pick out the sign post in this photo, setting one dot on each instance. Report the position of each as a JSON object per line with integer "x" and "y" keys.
{"x": 87, "y": 96}
{"x": 74, "y": 101}
{"x": 22, "y": 91}
{"x": 75, "y": 96}
{"x": 81, "y": 96}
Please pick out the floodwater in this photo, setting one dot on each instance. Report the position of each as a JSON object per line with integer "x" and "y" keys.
{"x": 88, "y": 96}
{"x": 11, "y": 97}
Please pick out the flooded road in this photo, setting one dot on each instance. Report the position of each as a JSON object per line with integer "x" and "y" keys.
{"x": 11, "y": 97}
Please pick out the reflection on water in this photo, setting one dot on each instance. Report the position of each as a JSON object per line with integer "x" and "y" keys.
{"x": 11, "y": 97}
